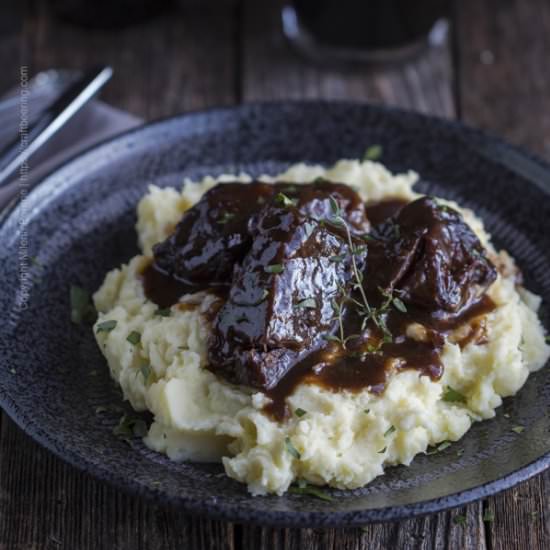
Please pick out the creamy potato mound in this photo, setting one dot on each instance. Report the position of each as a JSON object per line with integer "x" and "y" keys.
{"x": 344, "y": 439}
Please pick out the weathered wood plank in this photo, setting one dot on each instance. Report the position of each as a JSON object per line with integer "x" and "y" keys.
{"x": 46, "y": 504}
{"x": 180, "y": 61}
{"x": 503, "y": 79}
{"x": 503, "y": 84}
{"x": 271, "y": 70}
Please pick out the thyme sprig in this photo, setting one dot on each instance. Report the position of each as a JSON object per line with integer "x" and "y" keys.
{"x": 365, "y": 309}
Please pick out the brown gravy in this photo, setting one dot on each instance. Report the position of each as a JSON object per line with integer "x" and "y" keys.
{"x": 369, "y": 359}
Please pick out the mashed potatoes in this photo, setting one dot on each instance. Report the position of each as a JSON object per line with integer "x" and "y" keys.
{"x": 341, "y": 439}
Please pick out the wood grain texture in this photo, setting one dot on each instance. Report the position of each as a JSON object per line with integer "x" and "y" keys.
{"x": 503, "y": 84}
{"x": 271, "y": 70}
{"x": 220, "y": 52}
{"x": 503, "y": 76}
{"x": 179, "y": 61}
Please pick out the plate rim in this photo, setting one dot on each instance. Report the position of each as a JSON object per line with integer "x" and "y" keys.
{"x": 234, "y": 512}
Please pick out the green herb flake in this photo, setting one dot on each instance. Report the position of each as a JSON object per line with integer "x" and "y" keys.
{"x": 129, "y": 427}
{"x": 382, "y": 451}
{"x": 389, "y": 431}
{"x": 488, "y": 516}
{"x": 106, "y": 326}
{"x": 459, "y": 520}
{"x": 518, "y": 429}
{"x": 460, "y": 452}
{"x": 163, "y": 312}
{"x": 308, "y": 303}
{"x": 291, "y": 449}
{"x": 438, "y": 448}
{"x": 506, "y": 415}
{"x": 310, "y": 490}
{"x": 452, "y": 396}
{"x": 547, "y": 338}
{"x": 13, "y": 371}
{"x": 147, "y": 372}
{"x": 226, "y": 217}
{"x": 534, "y": 515}
{"x": 101, "y": 409}
{"x": 81, "y": 306}
{"x": 283, "y": 199}
{"x": 134, "y": 338}
{"x": 366, "y": 411}
{"x": 334, "y": 206}
{"x": 300, "y": 412}
{"x": 399, "y": 305}
{"x": 374, "y": 152}
{"x": 274, "y": 268}
{"x": 339, "y": 258}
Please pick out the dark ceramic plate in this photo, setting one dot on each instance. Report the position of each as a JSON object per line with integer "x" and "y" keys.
{"x": 79, "y": 223}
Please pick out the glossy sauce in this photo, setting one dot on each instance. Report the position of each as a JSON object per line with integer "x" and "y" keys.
{"x": 365, "y": 361}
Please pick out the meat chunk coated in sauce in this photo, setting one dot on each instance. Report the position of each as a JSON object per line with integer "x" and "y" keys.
{"x": 214, "y": 234}
{"x": 296, "y": 283}
{"x": 430, "y": 257}
{"x": 281, "y": 301}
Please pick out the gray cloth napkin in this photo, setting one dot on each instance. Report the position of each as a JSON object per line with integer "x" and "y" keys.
{"x": 96, "y": 122}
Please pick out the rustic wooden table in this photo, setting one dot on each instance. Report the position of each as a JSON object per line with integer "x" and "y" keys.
{"x": 493, "y": 72}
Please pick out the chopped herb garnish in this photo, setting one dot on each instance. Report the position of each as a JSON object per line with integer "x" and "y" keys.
{"x": 310, "y": 490}
{"x": 518, "y": 429}
{"x": 300, "y": 412}
{"x": 534, "y": 515}
{"x": 81, "y": 306}
{"x": 146, "y": 372}
{"x": 291, "y": 449}
{"x": 459, "y": 520}
{"x": 547, "y": 338}
{"x": 129, "y": 427}
{"x": 106, "y": 326}
{"x": 374, "y": 152}
{"x": 488, "y": 516}
{"x": 308, "y": 303}
{"x": 226, "y": 217}
{"x": 366, "y": 411}
{"x": 506, "y": 415}
{"x": 335, "y": 207}
{"x": 452, "y": 396}
{"x": 281, "y": 198}
{"x": 101, "y": 409}
{"x": 134, "y": 338}
{"x": 382, "y": 451}
{"x": 438, "y": 448}
{"x": 389, "y": 431}
{"x": 398, "y": 304}
{"x": 163, "y": 312}
{"x": 274, "y": 268}
{"x": 339, "y": 258}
